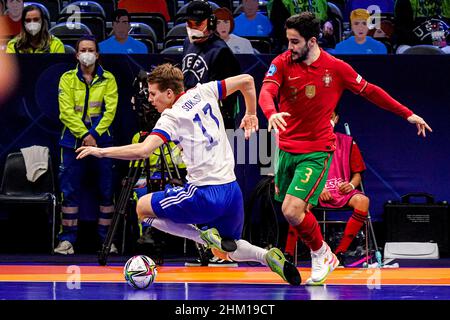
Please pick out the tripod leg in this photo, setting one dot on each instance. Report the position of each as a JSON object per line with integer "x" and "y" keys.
{"x": 120, "y": 211}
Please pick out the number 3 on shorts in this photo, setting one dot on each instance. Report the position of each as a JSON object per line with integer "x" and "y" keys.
{"x": 307, "y": 175}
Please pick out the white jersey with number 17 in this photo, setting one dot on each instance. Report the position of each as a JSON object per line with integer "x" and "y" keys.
{"x": 195, "y": 123}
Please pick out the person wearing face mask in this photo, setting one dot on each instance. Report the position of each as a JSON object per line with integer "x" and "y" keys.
{"x": 34, "y": 37}
{"x": 206, "y": 56}
{"x": 341, "y": 190}
{"x": 360, "y": 42}
{"x": 87, "y": 104}
{"x": 308, "y": 82}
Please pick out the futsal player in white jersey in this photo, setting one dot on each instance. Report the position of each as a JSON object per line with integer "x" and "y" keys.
{"x": 211, "y": 196}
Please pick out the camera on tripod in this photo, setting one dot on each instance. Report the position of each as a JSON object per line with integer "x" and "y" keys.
{"x": 147, "y": 115}
{"x": 162, "y": 161}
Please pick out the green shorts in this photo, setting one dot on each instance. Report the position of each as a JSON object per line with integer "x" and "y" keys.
{"x": 302, "y": 175}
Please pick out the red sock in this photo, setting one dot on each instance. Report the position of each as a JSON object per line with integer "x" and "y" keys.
{"x": 291, "y": 240}
{"x": 354, "y": 224}
{"x": 309, "y": 232}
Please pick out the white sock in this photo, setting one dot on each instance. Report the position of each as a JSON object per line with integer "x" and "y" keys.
{"x": 183, "y": 230}
{"x": 322, "y": 249}
{"x": 247, "y": 252}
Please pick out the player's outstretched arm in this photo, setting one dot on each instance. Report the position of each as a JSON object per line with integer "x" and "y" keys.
{"x": 421, "y": 125}
{"x": 246, "y": 85}
{"x": 129, "y": 152}
{"x": 382, "y": 99}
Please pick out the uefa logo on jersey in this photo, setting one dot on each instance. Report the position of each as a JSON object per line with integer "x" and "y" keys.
{"x": 272, "y": 70}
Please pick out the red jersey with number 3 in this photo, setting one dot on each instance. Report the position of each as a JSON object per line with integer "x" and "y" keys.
{"x": 310, "y": 94}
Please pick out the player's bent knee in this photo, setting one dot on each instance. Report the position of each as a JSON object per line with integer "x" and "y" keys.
{"x": 144, "y": 208}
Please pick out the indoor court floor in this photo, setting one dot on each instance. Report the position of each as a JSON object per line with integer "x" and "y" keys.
{"x": 88, "y": 281}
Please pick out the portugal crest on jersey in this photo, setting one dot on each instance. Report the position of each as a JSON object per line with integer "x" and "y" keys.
{"x": 327, "y": 79}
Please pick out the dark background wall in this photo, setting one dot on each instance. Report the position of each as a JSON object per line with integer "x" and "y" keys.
{"x": 398, "y": 161}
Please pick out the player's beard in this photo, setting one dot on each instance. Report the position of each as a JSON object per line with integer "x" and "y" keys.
{"x": 303, "y": 54}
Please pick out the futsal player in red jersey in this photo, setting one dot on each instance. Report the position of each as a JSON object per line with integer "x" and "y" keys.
{"x": 308, "y": 83}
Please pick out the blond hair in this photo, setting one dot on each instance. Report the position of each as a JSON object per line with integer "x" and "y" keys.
{"x": 167, "y": 76}
{"x": 359, "y": 14}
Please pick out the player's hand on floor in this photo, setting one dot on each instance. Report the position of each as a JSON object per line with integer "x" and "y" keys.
{"x": 420, "y": 124}
{"x": 88, "y": 151}
{"x": 250, "y": 124}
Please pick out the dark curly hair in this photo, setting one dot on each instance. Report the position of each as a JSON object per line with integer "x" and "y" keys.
{"x": 305, "y": 23}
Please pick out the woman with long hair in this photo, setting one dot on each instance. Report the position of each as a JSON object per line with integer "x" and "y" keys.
{"x": 34, "y": 37}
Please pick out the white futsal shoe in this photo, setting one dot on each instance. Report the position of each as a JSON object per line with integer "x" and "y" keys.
{"x": 323, "y": 262}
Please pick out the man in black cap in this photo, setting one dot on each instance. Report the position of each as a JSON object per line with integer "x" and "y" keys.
{"x": 206, "y": 57}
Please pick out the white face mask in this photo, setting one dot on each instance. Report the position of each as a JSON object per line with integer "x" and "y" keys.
{"x": 33, "y": 27}
{"x": 194, "y": 34}
{"x": 87, "y": 58}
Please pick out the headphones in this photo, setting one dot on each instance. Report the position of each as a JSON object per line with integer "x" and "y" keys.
{"x": 212, "y": 19}
{"x": 212, "y": 22}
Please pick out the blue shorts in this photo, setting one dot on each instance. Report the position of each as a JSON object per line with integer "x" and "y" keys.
{"x": 216, "y": 206}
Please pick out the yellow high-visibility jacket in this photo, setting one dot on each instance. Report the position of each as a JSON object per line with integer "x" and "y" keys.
{"x": 56, "y": 46}
{"x": 87, "y": 109}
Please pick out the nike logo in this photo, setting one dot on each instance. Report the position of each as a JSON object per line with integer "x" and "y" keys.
{"x": 299, "y": 189}
{"x": 292, "y": 78}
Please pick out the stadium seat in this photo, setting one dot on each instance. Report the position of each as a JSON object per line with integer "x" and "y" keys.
{"x": 70, "y": 32}
{"x": 262, "y": 44}
{"x": 423, "y": 49}
{"x": 337, "y": 20}
{"x": 88, "y": 12}
{"x": 173, "y": 50}
{"x": 69, "y": 49}
{"x": 144, "y": 33}
{"x": 53, "y": 6}
{"x": 154, "y": 20}
{"x": 176, "y": 36}
{"x": 109, "y": 6}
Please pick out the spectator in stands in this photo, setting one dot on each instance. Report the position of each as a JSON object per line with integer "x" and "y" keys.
{"x": 13, "y": 17}
{"x": 120, "y": 41}
{"x": 145, "y": 6}
{"x": 87, "y": 105}
{"x": 34, "y": 36}
{"x": 9, "y": 73}
{"x": 283, "y": 9}
{"x": 251, "y": 22}
{"x": 359, "y": 42}
{"x": 225, "y": 26}
{"x": 422, "y": 22}
{"x": 340, "y": 190}
{"x": 206, "y": 57}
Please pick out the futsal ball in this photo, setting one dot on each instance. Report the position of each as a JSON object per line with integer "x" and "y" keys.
{"x": 140, "y": 271}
